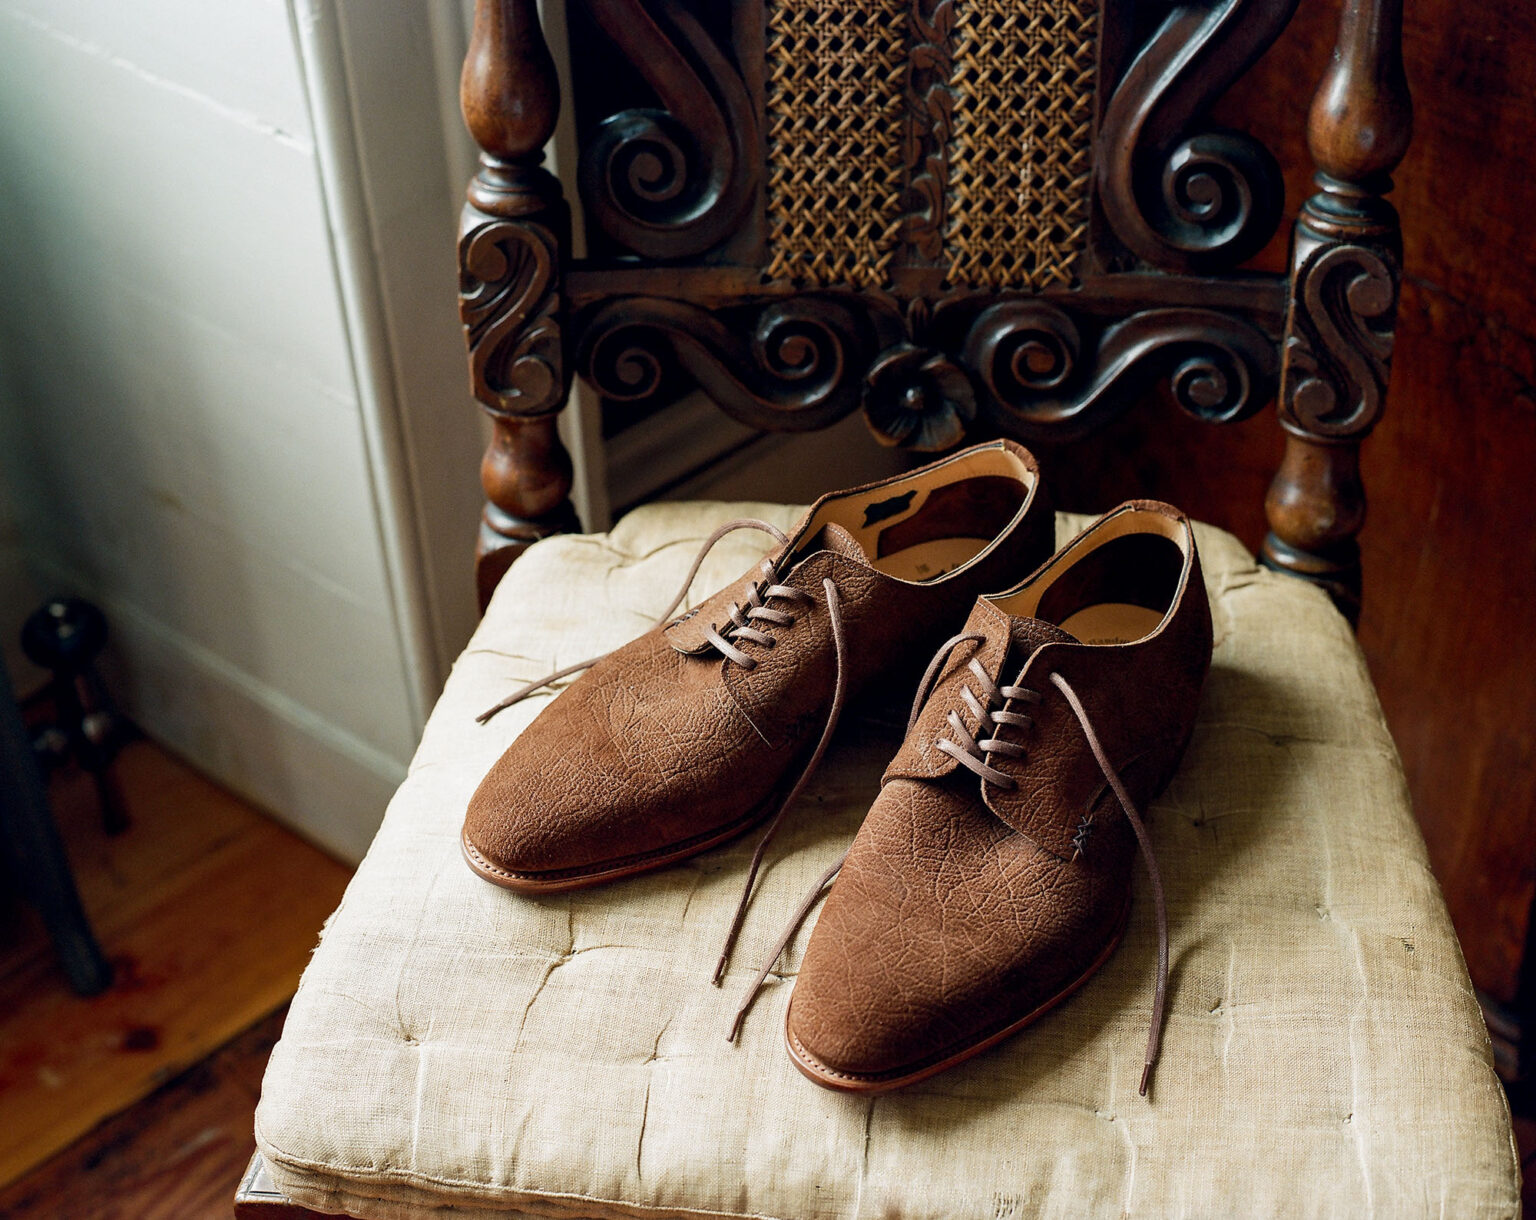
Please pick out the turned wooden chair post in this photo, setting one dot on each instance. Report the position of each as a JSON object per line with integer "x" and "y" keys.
{"x": 512, "y": 238}
{"x": 1345, "y": 272}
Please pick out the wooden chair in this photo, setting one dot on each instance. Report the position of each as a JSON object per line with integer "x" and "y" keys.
{"x": 963, "y": 217}
{"x": 1001, "y": 215}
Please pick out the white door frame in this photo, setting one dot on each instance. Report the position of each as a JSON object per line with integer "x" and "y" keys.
{"x": 395, "y": 156}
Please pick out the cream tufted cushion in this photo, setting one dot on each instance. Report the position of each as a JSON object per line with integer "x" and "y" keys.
{"x": 457, "y": 1045}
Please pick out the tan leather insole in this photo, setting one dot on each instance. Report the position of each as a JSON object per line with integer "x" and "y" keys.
{"x": 1112, "y": 623}
{"x": 928, "y": 560}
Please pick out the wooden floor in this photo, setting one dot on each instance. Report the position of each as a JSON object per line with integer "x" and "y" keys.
{"x": 208, "y": 911}
{"x": 177, "y": 1155}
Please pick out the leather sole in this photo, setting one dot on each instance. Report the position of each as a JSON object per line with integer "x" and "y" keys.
{"x": 884, "y": 1082}
{"x": 557, "y": 881}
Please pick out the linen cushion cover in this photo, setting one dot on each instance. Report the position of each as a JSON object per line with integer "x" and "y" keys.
{"x": 457, "y": 1045}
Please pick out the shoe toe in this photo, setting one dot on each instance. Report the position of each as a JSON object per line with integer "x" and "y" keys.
{"x": 516, "y": 827}
{"x": 928, "y": 945}
{"x": 856, "y": 1015}
{"x": 611, "y": 773}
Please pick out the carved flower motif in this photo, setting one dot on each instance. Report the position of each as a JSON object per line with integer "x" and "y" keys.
{"x": 918, "y": 398}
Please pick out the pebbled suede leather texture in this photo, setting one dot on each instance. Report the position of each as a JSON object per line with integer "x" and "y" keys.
{"x": 963, "y": 908}
{"x": 663, "y": 743}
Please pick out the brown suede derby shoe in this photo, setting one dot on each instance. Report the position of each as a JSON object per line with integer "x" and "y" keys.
{"x": 706, "y": 725}
{"x": 992, "y": 876}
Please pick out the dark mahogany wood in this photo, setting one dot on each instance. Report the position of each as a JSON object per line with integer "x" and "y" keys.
{"x": 672, "y": 175}
{"x": 1181, "y": 194}
{"x": 1345, "y": 270}
{"x": 1448, "y": 624}
{"x": 32, "y": 854}
{"x": 512, "y": 239}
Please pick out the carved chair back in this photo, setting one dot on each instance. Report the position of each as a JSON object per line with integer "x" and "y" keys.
{"x": 954, "y": 215}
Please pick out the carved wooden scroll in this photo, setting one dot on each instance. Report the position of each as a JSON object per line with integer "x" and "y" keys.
{"x": 906, "y": 205}
{"x": 1041, "y": 382}
{"x": 1345, "y": 274}
{"x": 789, "y": 365}
{"x": 513, "y": 230}
{"x": 929, "y": 128}
{"x": 1034, "y": 368}
{"x": 927, "y": 157}
{"x": 672, "y": 181}
{"x": 1182, "y": 197}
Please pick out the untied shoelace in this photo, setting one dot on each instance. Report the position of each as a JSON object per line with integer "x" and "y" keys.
{"x": 740, "y": 628}
{"x": 991, "y": 712}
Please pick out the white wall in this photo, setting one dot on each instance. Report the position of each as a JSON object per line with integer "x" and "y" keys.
{"x": 233, "y": 401}
{"x": 205, "y": 431}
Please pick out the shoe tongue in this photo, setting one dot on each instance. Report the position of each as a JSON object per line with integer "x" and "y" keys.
{"x": 1007, "y": 635}
{"x": 1028, "y": 635}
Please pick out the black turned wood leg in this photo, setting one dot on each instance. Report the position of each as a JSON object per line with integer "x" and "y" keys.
{"x": 35, "y": 854}
{"x": 65, "y": 637}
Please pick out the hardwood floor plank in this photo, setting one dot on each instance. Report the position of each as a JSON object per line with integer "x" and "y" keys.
{"x": 177, "y": 1155}
{"x": 209, "y": 912}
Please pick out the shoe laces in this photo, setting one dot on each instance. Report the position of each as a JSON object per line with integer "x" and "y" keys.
{"x": 738, "y": 625}
{"x": 974, "y": 752}
{"x": 1154, "y": 875}
{"x": 741, "y": 626}
{"x": 990, "y": 710}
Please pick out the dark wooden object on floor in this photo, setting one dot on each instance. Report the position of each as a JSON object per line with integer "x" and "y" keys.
{"x": 209, "y": 911}
{"x": 65, "y": 636}
{"x": 33, "y": 854}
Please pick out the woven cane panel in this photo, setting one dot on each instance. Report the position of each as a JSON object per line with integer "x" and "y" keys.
{"x": 834, "y": 107}
{"x": 1021, "y": 156}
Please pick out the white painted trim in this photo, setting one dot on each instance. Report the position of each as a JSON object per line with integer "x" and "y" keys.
{"x": 380, "y": 178}
{"x": 450, "y": 25}
{"x": 383, "y": 87}
{"x": 318, "y": 40}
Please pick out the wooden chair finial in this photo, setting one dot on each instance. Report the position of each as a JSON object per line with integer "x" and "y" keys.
{"x": 512, "y": 238}
{"x": 1345, "y": 272}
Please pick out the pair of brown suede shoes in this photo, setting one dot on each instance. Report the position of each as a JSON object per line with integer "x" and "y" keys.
{"x": 991, "y": 877}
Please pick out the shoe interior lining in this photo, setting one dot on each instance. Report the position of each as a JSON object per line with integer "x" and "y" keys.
{"x": 922, "y": 527}
{"x": 1111, "y": 623}
{"x": 1113, "y": 586}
